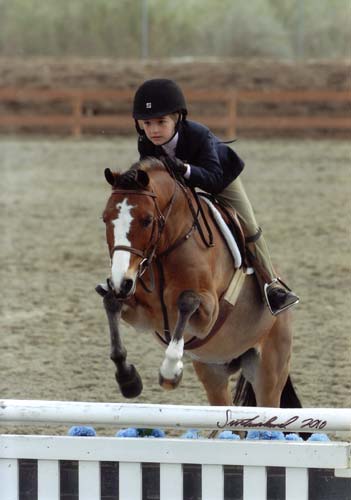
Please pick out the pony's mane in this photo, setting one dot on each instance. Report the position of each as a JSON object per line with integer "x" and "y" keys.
{"x": 148, "y": 164}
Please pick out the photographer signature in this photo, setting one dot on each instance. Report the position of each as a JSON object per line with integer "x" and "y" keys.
{"x": 271, "y": 423}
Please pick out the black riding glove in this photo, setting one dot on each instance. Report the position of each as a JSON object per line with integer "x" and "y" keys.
{"x": 178, "y": 166}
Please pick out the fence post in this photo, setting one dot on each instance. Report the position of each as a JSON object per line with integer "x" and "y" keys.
{"x": 232, "y": 114}
{"x": 9, "y": 478}
{"x": 77, "y": 113}
{"x": 255, "y": 483}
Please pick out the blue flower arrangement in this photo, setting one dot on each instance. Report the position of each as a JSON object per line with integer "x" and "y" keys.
{"x": 228, "y": 435}
{"x": 317, "y": 437}
{"x": 293, "y": 437}
{"x": 191, "y": 434}
{"x": 81, "y": 430}
{"x": 265, "y": 435}
{"x": 279, "y": 436}
{"x": 133, "y": 432}
{"x": 252, "y": 435}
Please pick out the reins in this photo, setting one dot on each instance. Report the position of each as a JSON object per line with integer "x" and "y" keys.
{"x": 180, "y": 181}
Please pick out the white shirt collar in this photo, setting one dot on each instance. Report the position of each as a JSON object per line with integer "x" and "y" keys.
{"x": 171, "y": 145}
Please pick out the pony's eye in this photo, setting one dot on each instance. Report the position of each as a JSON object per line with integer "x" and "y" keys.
{"x": 146, "y": 221}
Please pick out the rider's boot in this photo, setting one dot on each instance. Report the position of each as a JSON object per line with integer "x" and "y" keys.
{"x": 279, "y": 297}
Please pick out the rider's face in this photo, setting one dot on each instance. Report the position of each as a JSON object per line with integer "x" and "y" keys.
{"x": 159, "y": 130}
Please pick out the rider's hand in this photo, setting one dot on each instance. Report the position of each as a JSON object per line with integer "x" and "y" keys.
{"x": 178, "y": 166}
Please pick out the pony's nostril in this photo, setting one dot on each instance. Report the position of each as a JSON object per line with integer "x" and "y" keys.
{"x": 126, "y": 286}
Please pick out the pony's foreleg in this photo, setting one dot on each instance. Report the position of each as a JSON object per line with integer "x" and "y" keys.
{"x": 171, "y": 370}
{"x": 127, "y": 377}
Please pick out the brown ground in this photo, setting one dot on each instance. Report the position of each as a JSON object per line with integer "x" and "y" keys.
{"x": 54, "y": 342}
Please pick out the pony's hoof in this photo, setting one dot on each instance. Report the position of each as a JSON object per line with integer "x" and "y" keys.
{"x": 131, "y": 384}
{"x": 170, "y": 384}
{"x": 101, "y": 290}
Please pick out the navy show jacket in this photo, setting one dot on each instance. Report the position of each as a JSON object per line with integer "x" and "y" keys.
{"x": 213, "y": 164}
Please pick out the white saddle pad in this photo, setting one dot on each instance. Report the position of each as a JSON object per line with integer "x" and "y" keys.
{"x": 229, "y": 238}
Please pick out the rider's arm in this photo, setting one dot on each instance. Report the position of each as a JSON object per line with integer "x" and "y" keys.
{"x": 213, "y": 164}
{"x": 204, "y": 169}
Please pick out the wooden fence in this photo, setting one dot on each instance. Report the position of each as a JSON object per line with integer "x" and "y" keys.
{"x": 99, "y": 111}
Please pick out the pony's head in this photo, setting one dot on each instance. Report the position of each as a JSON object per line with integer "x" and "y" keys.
{"x": 133, "y": 222}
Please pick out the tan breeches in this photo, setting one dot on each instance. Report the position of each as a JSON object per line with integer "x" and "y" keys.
{"x": 235, "y": 196}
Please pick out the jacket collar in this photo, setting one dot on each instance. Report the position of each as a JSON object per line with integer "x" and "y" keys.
{"x": 181, "y": 144}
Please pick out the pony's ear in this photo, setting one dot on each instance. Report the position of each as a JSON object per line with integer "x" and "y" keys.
{"x": 142, "y": 178}
{"x": 110, "y": 176}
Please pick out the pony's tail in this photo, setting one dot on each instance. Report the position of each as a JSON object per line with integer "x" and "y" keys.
{"x": 245, "y": 396}
{"x": 289, "y": 398}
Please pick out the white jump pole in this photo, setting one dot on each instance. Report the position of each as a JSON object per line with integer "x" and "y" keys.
{"x": 175, "y": 416}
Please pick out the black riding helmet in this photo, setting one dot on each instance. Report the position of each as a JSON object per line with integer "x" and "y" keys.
{"x": 158, "y": 97}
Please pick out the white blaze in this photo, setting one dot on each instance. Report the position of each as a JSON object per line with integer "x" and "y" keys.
{"x": 121, "y": 258}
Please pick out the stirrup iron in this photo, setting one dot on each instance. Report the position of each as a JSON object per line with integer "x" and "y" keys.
{"x": 268, "y": 286}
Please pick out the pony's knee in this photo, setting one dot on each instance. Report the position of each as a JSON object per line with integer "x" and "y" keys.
{"x": 188, "y": 302}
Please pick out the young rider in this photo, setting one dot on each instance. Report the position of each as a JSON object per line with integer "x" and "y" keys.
{"x": 160, "y": 115}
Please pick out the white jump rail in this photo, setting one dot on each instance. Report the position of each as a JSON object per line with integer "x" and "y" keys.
{"x": 203, "y": 417}
{"x": 170, "y": 453}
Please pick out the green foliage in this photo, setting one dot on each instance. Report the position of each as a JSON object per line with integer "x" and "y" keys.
{"x": 223, "y": 28}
